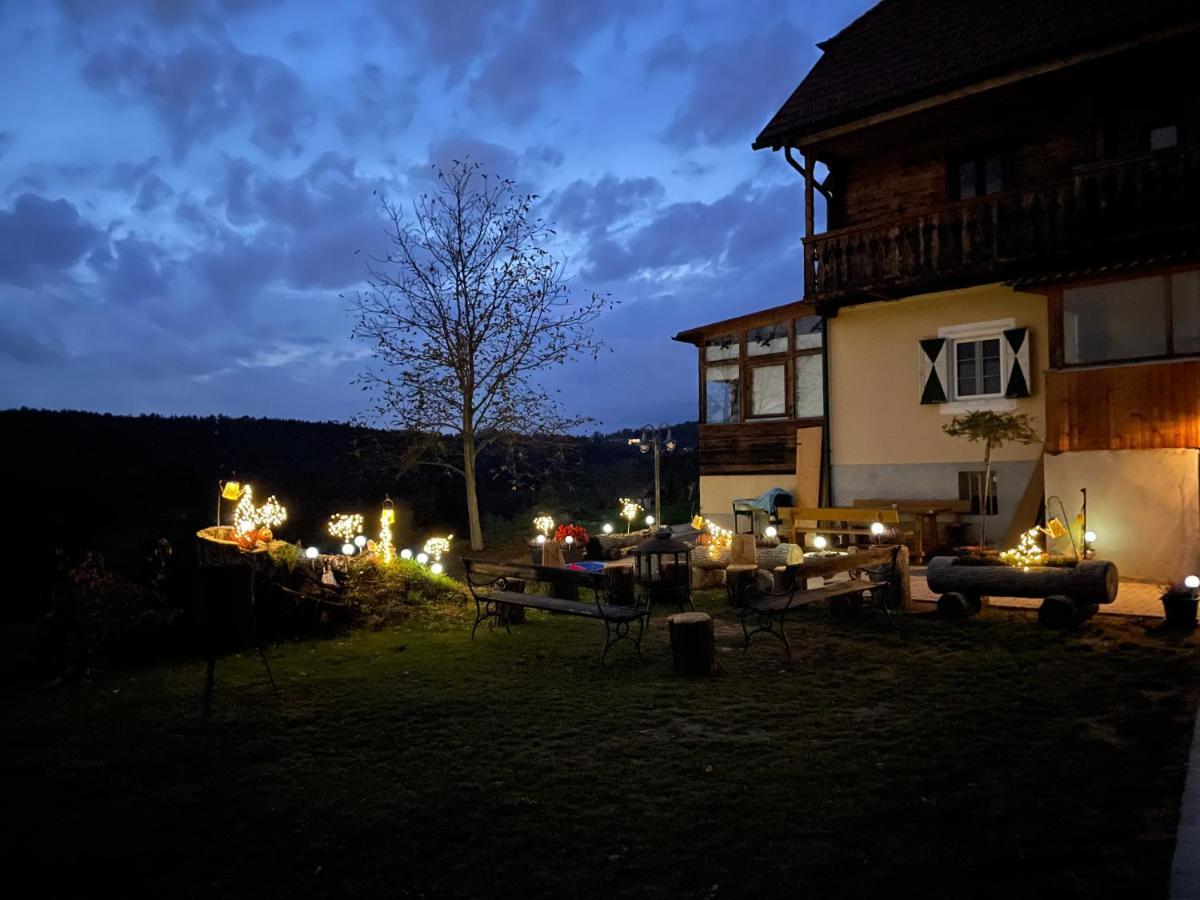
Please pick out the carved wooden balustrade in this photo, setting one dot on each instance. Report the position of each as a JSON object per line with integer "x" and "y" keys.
{"x": 1140, "y": 206}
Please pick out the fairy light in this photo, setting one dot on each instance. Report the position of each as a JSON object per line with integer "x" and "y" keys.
{"x": 248, "y": 518}
{"x": 345, "y": 526}
{"x": 387, "y": 518}
{"x": 243, "y": 513}
{"x": 629, "y": 511}
{"x": 544, "y": 524}
{"x": 272, "y": 514}
{"x": 1027, "y": 553}
{"x": 436, "y": 546}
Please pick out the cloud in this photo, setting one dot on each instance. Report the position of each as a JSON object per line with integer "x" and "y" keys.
{"x": 382, "y": 104}
{"x": 38, "y": 234}
{"x": 583, "y": 205}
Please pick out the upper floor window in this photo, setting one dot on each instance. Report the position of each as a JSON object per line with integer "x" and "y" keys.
{"x": 724, "y": 347}
{"x": 979, "y": 175}
{"x": 809, "y": 332}
{"x": 767, "y": 339}
{"x": 1164, "y": 137}
{"x": 977, "y": 368}
{"x": 1137, "y": 318}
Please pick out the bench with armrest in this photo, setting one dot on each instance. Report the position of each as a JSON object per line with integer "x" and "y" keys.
{"x": 845, "y": 521}
{"x": 873, "y": 573}
{"x": 925, "y": 515}
{"x": 491, "y": 585}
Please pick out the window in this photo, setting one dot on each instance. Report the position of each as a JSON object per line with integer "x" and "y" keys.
{"x": 977, "y": 368}
{"x": 766, "y": 340}
{"x": 809, "y": 332}
{"x": 979, "y": 176}
{"x": 724, "y": 347}
{"x": 1164, "y": 137}
{"x": 722, "y": 389}
{"x": 1114, "y": 321}
{"x": 768, "y": 391}
{"x": 810, "y": 387}
{"x": 970, "y": 487}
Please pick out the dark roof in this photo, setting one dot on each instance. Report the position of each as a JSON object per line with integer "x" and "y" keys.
{"x": 900, "y": 51}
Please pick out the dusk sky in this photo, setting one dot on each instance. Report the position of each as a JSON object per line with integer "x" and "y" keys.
{"x": 186, "y": 183}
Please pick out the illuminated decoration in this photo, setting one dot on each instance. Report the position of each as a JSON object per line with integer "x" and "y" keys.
{"x": 1055, "y": 528}
{"x": 1089, "y": 537}
{"x": 543, "y": 524}
{"x": 698, "y": 523}
{"x": 716, "y": 538}
{"x": 347, "y": 549}
{"x": 629, "y": 511}
{"x": 1027, "y": 553}
{"x": 1192, "y": 582}
{"x": 541, "y": 539}
{"x": 406, "y": 553}
{"x": 877, "y": 529}
{"x": 820, "y": 543}
{"x": 577, "y": 533}
{"x": 437, "y": 568}
{"x": 436, "y": 546}
{"x": 312, "y": 553}
{"x": 345, "y": 526}
{"x": 771, "y": 532}
{"x": 422, "y": 558}
{"x": 257, "y": 521}
{"x": 360, "y": 541}
{"x": 649, "y": 521}
{"x": 387, "y": 518}
{"x": 568, "y": 540}
{"x": 607, "y": 529}
{"x": 231, "y": 491}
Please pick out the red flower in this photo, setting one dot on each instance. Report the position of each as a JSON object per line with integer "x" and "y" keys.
{"x": 577, "y": 532}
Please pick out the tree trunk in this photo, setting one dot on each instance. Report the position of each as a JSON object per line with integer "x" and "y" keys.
{"x": 472, "y": 500}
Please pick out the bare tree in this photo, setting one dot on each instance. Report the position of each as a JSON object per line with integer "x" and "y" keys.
{"x": 466, "y": 314}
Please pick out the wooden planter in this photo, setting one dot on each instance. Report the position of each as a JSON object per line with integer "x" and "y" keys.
{"x": 1179, "y": 610}
{"x": 1070, "y": 594}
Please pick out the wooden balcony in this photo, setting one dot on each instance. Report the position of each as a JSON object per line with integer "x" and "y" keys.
{"x": 1104, "y": 214}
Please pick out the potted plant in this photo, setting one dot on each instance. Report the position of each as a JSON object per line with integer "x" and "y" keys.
{"x": 574, "y": 540}
{"x": 1179, "y": 606}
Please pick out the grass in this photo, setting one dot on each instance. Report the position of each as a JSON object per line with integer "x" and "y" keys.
{"x": 992, "y": 759}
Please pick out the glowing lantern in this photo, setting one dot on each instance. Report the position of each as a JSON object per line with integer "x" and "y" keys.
{"x": 360, "y": 541}
{"x": 820, "y": 543}
{"x": 312, "y": 553}
{"x": 347, "y": 549}
{"x": 607, "y": 529}
{"x": 422, "y": 558}
{"x": 649, "y": 521}
{"x": 387, "y": 518}
{"x": 541, "y": 539}
{"x": 877, "y": 529}
{"x": 771, "y": 531}
{"x": 1191, "y": 582}
{"x": 406, "y": 553}
{"x": 437, "y": 568}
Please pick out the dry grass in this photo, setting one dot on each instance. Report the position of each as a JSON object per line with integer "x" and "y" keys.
{"x": 993, "y": 759}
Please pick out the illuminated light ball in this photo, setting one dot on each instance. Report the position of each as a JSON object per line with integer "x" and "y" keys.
{"x": 312, "y": 552}
{"x": 607, "y": 529}
{"x": 877, "y": 528}
{"x": 771, "y": 531}
{"x": 360, "y": 541}
{"x": 1090, "y": 537}
{"x": 406, "y": 553}
{"x": 820, "y": 543}
{"x": 437, "y": 568}
{"x": 541, "y": 539}
{"x": 348, "y": 549}
{"x": 1192, "y": 582}
{"x": 568, "y": 540}
{"x": 649, "y": 520}
{"x": 422, "y": 557}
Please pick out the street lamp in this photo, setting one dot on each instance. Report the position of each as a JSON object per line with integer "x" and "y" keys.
{"x": 653, "y": 438}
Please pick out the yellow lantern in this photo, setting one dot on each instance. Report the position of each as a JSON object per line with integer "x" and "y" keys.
{"x": 231, "y": 491}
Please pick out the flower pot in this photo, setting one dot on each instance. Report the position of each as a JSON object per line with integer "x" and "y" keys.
{"x": 1180, "y": 610}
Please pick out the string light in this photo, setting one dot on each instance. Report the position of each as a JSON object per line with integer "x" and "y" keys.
{"x": 1027, "y": 553}
{"x": 544, "y": 524}
{"x": 345, "y": 526}
{"x": 248, "y": 518}
{"x": 629, "y": 511}
{"x": 1089, "y": 537}
{"x": 436, "y": 546}
{"x": 387, "y": 518}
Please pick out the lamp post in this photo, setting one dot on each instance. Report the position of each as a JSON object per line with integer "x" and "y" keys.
{"x": 654, "y": 438}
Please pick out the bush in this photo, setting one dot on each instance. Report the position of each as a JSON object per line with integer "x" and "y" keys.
{"x": 380, "y": 594}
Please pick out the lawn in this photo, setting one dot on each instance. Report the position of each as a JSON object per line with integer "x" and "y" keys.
{"x": 991, "y": 759}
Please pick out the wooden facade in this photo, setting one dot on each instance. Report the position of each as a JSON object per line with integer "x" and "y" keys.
{"x": 1150, "y": 406}
{"x": 746, "y": 448}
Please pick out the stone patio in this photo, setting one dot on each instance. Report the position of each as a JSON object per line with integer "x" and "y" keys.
{"x": 1134, "y": 598}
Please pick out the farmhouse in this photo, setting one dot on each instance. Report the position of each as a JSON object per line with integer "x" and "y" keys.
{"x": 1003, "y": 213}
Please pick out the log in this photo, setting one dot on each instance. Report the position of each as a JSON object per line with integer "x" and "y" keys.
{"x": 692, "y": 648}
{"x": 506, "y": 613}
{"x": 1091, "y": 581}
{"x": 1058, "y": 611}
{"x": 740, "y": 578}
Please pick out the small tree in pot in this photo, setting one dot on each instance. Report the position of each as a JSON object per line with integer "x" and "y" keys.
{"x": 994, "y": 430}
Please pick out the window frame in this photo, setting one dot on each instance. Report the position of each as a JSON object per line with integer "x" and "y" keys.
{"x": 956, "y": 343}
{"x": 978, "y": 160}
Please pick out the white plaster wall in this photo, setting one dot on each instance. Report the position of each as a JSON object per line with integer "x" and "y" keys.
{"x": 717, "y": 493}
{"x": 1144, "y": 506}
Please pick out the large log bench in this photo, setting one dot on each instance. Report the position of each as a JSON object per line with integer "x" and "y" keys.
{"x": 491, "y": 585}
{"x": 873, "y": 578}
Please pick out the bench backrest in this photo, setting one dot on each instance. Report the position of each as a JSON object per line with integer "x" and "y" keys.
{"x": 917, "y": 506}
{"x": 852, "y": 515}
{"x": 873, "y": 558}
{"x": 481, "y": 572}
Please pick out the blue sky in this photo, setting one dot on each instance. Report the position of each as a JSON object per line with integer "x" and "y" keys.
{"x": 186, "y": 183}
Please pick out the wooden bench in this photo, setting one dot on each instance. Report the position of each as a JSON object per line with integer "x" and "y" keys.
{"x": 874, "y": 574}
{"x": 924, "y": 513}
{"x": 840, "y": 520}
{"x": 491, "y": 584}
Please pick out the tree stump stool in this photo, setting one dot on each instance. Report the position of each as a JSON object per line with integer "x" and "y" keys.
{"x": 506, "y": 613}
{"x": 692, "y": 650}
{"x": 739, "y": 579}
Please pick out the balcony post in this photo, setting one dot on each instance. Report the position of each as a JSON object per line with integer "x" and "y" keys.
{"x": 809, "y": 227}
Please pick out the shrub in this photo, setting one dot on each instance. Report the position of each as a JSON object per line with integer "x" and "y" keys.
{"x": 577, "y": 532}
{"x": 382, "y": 593}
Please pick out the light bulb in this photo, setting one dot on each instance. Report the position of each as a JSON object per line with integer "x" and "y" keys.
{"x": 422, "y": 557}
{"x": 820, "y": 543}
{"x": 348, "y": 549}
{"x": 406, "y": 553}
{"x": 541, "y": 539}
{"x": 568, "y": 540}
{"x": 1089, "y": 537}
{"x": 437, "y": 568}
{"x": 1192, "y": 582}
{"x": 877, "y": 528}
{"x": 360, "y": 541}
{"x": 771, "y": 531}
{"x": 607, "y": 529}
{"x": 649, "y": 520}
{"x": 312, "y": 552}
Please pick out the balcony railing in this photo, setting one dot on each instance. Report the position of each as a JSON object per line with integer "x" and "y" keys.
{"x": 1139, "y": 206}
